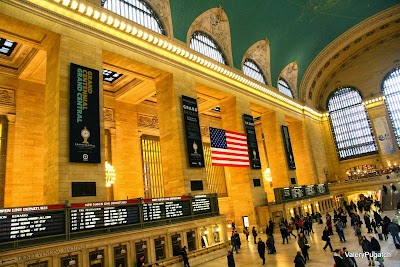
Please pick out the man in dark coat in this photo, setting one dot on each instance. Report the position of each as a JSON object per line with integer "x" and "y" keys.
{"x": 299, "y": 261}
{"x": 254, "y": 233}
{"x": 185, "y": 257}
{"x": 231, "y": 260}
{"x": 261, "y": 249}
{"x": 376, "y": 247}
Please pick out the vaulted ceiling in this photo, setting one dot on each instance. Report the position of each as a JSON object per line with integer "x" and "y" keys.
{"x": 298, "y": 30}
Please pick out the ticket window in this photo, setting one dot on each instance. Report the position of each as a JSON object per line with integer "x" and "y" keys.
{"x": 159, "y": 245}
{"x": 96, "y": 258}
{"x": 191, "y": 240}
{"x": 69, "y": 261}
{"x": 176, "y": 244}
{"x": 141, "y": 250}
{"x": 39, "y": 264}
{"x": 120, "y": 256}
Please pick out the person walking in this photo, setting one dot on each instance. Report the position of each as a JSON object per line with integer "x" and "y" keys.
{"x": 337, "y": 257}
{"x": 254, "y": 232}
{"x": 271, "y": 244}
{"x": 231, "y": 259}
{"x": 246, "y": 233}
{"x": 366, "y": 247}
{"x": 376, "y": 247}
{"x": 367, "y": 221}
{"x": 303, "y": 244}
{"x": 327, "y": 238}
{"x": 185, "y": 257}
{"x": 284, "y": 233}
{"x": 234, "y": 244}
{"x": 261, "y": 249}
{"x": 290, "y": 230}
{"x": 347, "y": 259}
{"x": 339, "y": 230}
{"x": 299, "y": 261}
{"x": 393, "y": 229}
{"x": 358, "y": 232}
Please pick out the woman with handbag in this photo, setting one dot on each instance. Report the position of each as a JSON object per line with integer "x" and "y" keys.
{"x": 304, "y": 246}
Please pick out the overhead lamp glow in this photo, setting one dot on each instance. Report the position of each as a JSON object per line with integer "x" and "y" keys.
{"x": 66, "y": 2}
{"x": 169, "y": 47}
{"x": 151, "y": 37}
{"x": 165, "y": 45}
{"x": 145, "y": 36}
{"x": 74, "y": 4}
{"x": 190, "y": 56}
{"x": 128, "y": 28}
{"x": 103, "y": 17}
{"x": 134, "y": 31}
{"x": 174, "y": 48}
{"x": 160, "y": 42}
{"x": 96, "y": 14}
{"x": 81, "y": 8}
{"x": 57, "y": 1}
{"x": 122, "y": 26}
{"x": 116, "y": 23}
{"x": 194, "y": 58}
{"x": 89, "y": 11}
{"x": 155, "y": 40}
{"x": 110, "y": 20}
{"x": 140, "y": 33}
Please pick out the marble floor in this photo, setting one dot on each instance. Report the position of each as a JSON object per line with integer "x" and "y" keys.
{"x": 248, "y": 255}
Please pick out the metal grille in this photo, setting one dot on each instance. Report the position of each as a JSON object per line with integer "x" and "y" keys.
{"x": 350, "y": 124}
{"x": 110, "y": 76}
{"x": 152, "y": 167}
{"x": 284, "y": 88}
{"x": 203, "y": 44}
{"x": 137, "y": 11}
{"x": 7, "y": 46}
{"x": 215, "y": 174}
{"x": 391, "y": 89}
{"x": 251, "y": 69}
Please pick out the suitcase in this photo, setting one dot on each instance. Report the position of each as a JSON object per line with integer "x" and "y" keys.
{"x": 380, "y": 237}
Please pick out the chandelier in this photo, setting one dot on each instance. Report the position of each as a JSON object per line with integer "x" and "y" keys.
{"x": 110, "y": 174}
{"x": 267, "y": 175}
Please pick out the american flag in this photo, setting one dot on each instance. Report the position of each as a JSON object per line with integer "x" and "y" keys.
{"x": 228, "y": 148}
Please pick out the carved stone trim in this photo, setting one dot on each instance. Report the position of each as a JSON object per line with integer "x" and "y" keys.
{"x": 290, "y": 74}
{"x": 7, "y": 96}
{"x": 260, "y": 53}
{"x": 204, "y": 131}
{"x": 108, "y": 114}
{"x": 148, "y": 121}
{"x": 162, "y": 8}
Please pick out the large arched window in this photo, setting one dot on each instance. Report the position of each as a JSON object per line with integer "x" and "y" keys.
{"x": 205, "y": 45}
{"x": 251, "y": 69}
{"x": 284, "y": 88}
{"x": 350, "y": 124}
{"x": 137, "y": 11}
{"x": 391, "y": 89}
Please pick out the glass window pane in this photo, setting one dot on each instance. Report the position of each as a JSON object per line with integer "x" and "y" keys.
{"x": 391, "y": 89}
{"x": 350, "y": 124}
{"x": 284, "y": 88}
{"x": 137, "y": 11}
{"x": 203, "y": 44}
{"x": 251, "y": 69}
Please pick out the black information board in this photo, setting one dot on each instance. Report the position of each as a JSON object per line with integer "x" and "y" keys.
{"x": 201, "y": 205}
{"x": 299, "y": 192}
{"x": 254, "y": 155}
{"x": 288, "y": 148}
{"x": 91, "y": 216}
{"x": 192, "y": 130}
{"x": 31, "y": 222}
{"x": 165, "y": 208}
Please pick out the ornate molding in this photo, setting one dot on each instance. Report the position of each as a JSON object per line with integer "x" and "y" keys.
{"x": 108, "y": 114}
{"x": 260, "y": 53}
{"x": 148, "y": 121}
{"x": 7, "y": 97}
{"x": 215, "y": 23}
{"x": 204, "y": 131}
{"x": 162, "y": 8}
{"x": 290, "y": 74}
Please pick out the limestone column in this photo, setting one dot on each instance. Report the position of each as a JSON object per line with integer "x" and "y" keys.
{"x": 8, "y": 192}
{"x": 330, "y": 150}
{"x": 302, "y": 153}
{"x": 242, "y": 194}
{"x": 271, "y": 127}
{"x": 176, "y": 171}
{"x": 59, "y": 171}
{"x": 126, "y": 153}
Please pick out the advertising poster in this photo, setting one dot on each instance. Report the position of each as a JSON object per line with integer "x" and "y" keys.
{"x": 384, "y": 137}
{"x": 254, "y": 155}
{"x": 288, "y": 148}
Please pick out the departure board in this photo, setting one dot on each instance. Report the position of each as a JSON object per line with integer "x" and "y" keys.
{"x": 201, "y": 204}
{"x": 165, "y": 208}
{"x": 91, "y": 216}
{"x": 31, "y": 222}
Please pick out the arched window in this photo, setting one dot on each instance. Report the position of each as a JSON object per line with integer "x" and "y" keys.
{"x": 284, "y": 88}
{"x": 251, "y": 69}
{"x": 137, "y": 11}
{"x": 350, "y": 124}
{"x": 205, "y": 45}
{"x": 391, "y": 89}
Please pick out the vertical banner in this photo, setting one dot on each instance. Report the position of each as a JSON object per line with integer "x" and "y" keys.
{"x": 84, "y": 115}
{"x": 192, "y": 129}
{"x": 254, "y": 155}
{"x": 383, "y": 132}
{"x": 288, "y": 147}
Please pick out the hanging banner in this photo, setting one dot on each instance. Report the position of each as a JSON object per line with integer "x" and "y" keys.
{"x": 288, "y": 147}
{"x": 254, "y": 155}
{"x": 192, "y": 129}
{"x": 383, "y": 133}
{"x": 84, "y": 115}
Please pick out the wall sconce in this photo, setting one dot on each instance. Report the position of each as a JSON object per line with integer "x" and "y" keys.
{"x": 144, "y": 246}
{"x": 193, "y": 235}
{"x": 99, "y": 256}
{"x": 110, "y": 174}
{"x": 162, "y": 242}
{"x": 72, "y": 262}
{"x": 122, "y": 251}
{"x": 179, "y": 239}
{"x": 267, "y": 175}
{"x": 229, "y": 225}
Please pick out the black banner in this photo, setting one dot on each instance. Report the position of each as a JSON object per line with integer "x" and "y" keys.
{"x": 254, "y": 155}
{"x": 192, "y": 128}
{"x": 288, "y": 147}
{"x": 300, "y": 192}
{"x": 84, "y": 115}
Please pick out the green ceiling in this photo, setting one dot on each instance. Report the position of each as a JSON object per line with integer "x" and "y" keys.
{"x": 297, "y": 29}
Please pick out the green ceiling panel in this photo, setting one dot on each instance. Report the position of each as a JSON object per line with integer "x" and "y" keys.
{"x": 297, "y": 29}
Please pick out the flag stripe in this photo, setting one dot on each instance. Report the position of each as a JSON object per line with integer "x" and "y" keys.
{"x": 228, "y": 148}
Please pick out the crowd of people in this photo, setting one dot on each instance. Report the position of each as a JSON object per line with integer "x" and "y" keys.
{"x": 364, "y": 216}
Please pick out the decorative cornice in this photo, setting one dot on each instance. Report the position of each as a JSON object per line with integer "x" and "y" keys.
{"x": 148, "y": 121}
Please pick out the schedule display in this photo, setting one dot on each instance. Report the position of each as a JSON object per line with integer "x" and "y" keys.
{"x": 31, "y": 222}
{"x": 91, "y": 216}
{"x": 165, "y": 208}
{"x": 201, "y": 204}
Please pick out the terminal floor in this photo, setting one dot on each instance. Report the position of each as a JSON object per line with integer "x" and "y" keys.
{"x": 248, "y": 255}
